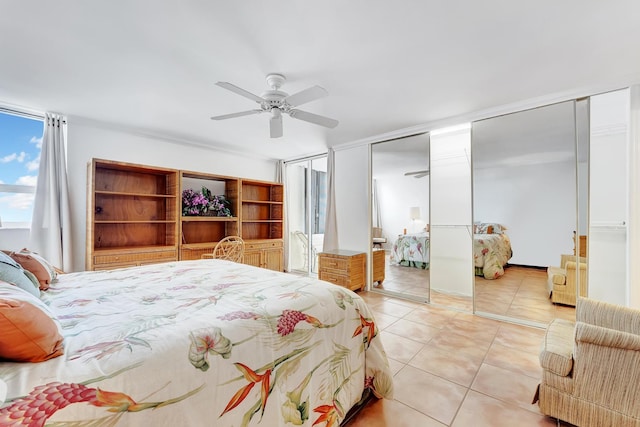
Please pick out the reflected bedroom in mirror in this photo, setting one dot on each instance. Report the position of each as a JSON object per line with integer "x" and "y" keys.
{"x": 525, "y": 212}
{"x": 400, "y": 217}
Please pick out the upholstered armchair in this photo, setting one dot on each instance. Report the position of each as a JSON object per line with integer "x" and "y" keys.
{"x": 562, "y": 282}
{"x": 591, "y": 367}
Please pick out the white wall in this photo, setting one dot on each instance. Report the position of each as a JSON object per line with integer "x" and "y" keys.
{"x": 14, "y": 239}
{"x": 352, "y": 198}
{"x": 608, "y": 207}
{"x": 89, "y": 140}
{"x": 537, "y": 203}
{"x": 397, "y": 193}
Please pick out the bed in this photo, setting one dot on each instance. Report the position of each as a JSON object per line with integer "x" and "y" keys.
{"x": 198, "y": 343}
{"x": 491, "y": 252}
{"x": 411, "y": 250}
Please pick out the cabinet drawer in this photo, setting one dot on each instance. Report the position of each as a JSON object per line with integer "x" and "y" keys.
{"x": 334, "y": 263}
{"x": 135, "y": 257}
{"x": 249, "y": 245}
{"x": 333, "y": 277}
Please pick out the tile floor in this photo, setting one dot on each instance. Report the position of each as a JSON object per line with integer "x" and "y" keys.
{"x": 453, "y": 368}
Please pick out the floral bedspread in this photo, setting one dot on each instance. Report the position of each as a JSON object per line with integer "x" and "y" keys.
{"x": 411, "y": 250}
{"x": 199, "y": 343}
{"x": 490, "y": 254}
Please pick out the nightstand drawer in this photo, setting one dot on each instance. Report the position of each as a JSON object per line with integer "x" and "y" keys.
{"x": 338, "y": 279}
{"x": 331, "y": 263}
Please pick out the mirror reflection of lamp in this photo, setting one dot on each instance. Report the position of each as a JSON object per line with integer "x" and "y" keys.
{"x": 414, "y": 215}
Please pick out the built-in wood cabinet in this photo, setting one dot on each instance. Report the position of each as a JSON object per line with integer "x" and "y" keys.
{"x": 131, "y": 215}
{"x": 262, "y": 223}
{"x": 199, "y": 234}
{"x": 135, "y": 216}
{"x": 264, "y": 253}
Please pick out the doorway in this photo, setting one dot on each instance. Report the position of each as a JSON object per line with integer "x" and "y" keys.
{"x": 306, "y": 183}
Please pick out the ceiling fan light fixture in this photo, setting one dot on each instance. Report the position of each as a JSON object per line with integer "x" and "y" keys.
{"x": 278, "y": 102}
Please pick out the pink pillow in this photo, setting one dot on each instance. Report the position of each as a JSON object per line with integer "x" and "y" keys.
{"x": 30, "y": 332}
{"x": 37, "y": 265}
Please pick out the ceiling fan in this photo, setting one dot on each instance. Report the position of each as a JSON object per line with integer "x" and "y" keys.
{"x": 418, "y": 174}
{"x": 276, "y": 102}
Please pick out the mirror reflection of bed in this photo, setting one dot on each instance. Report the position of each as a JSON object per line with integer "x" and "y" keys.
{"x": 524, "y": 178}
{"x": 400, "y": 202}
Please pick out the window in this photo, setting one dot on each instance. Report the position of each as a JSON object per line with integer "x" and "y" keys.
{"x": 20, "y": 145}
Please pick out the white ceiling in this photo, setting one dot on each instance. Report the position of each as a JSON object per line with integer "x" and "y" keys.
{"x": 151, "y": 65}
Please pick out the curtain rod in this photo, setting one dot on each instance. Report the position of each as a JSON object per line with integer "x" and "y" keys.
{"x": 22, "y": 113}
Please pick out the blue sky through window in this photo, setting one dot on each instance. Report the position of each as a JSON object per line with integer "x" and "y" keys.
{"x": 20, "y": 145}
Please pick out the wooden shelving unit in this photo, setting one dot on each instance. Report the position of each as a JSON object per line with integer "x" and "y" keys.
{"x": 134, "y": 216}
{"x": 199, "y": 234}
{"x": 262, "y": 223}
{"x": 131, "y": 215}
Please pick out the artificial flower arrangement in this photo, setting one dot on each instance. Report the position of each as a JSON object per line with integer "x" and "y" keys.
{"x": 203, "y": 203}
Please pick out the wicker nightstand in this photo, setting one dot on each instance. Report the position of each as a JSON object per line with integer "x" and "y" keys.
{"x": 344, "y": 268}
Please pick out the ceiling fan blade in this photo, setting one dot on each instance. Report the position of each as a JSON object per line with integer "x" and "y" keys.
{"x": 240, "y": 114}
{"x": 275, "y": 124}
{"x": 304, "y": 96}
{"x": 313, "y": 118}
{"x": 240, "y": 91}
{"x": 419, "y": 174}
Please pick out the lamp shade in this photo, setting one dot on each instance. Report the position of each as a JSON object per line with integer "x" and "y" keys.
{"x": 414, "y": 213}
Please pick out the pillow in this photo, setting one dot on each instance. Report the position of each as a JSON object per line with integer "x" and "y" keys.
{"x": 30, "y": 332}
{"x": 12, "y": 272}
{"x": 488, "y": 228}
{"x": 36, "y": 264}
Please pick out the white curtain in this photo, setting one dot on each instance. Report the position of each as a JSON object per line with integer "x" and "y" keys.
{"x": 331, "y": 220}
{"x": 281, "y": 177}
{"x": 51, "y": 224}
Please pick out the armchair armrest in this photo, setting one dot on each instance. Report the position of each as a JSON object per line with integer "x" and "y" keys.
{"x": 556, "y": 354}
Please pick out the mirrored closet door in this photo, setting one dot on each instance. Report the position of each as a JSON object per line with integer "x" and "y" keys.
{"x": 400, "y": 217}
{"x": 527, "y": 239}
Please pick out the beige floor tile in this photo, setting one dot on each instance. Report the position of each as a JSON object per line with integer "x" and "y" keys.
{"x": 391, "y": 308}
{"x": 429, "y": 394}
{"x": 452, "y": 342}
{"x": 413, "y": 330}
{"x": 459, "y": 367}
{"x": 523, "y": 362}
{"x": 395, "y": 365}
{"x": 434, "y": 317}
{"x": 384, "y": 320}
{"x": 391, "y": 413}
{"x": 479, "y": 410}
{"x": 523, "y": 338}
{"x": 400, "y": 348}
{"x": 506, "y": 385}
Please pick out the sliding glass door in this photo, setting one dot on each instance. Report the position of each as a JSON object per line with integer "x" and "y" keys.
{"x": 306, "y": 206}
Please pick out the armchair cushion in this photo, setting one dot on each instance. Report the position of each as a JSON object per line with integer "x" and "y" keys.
{"x": 556, "y": 354}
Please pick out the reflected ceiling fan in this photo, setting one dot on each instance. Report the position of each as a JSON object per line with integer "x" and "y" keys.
{"x": 277, "y": 102}
{"x": 418, "y": 174}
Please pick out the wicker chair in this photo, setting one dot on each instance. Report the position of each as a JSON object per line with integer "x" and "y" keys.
{"x": 230, "y": 248}
{"x": 591, "y": 368}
